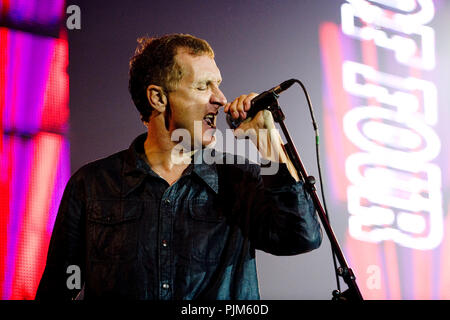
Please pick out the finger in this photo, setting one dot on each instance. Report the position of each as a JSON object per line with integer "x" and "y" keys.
{"x": 226, "y": 107}
{"x": 240, "y": 106}
{"x": 248, "y": 101}
{"x": 236, "y": 107}
{"x": 232, "y": 109}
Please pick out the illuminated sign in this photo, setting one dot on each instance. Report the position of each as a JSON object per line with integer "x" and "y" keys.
{"x": 394, "y": 31}
{"x": 395, "y": 191}
{"x": 384, "y": 151}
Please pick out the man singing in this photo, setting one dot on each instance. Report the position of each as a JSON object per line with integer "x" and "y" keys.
{"x": 150, "y": 222}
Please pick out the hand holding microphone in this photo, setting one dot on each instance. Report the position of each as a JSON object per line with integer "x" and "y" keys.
{"x": 247, "y": 106}
{"x": 268, "y": 141}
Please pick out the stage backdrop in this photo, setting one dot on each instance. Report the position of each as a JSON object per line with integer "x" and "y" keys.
{"x": 377, "y": 74}
{"x": 34, "y": 153}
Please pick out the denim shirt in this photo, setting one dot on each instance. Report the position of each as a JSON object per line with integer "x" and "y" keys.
{"x": 134, "y": 236}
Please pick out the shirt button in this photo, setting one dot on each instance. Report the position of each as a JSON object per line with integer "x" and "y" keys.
{"x": 164, "y": 243}
{"x": 167, "y": 201}
{"x": 165, "y": 286}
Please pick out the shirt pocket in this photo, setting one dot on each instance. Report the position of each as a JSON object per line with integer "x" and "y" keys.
{"x": 113, "y": 229}
{"x": 208, "y": 230}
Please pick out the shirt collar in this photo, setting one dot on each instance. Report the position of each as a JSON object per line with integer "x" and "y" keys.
{"x": 136, "y": 167}
{"x": 207, "y": 172}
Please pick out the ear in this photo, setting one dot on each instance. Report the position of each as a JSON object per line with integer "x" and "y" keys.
{"x": 156, "y": 97}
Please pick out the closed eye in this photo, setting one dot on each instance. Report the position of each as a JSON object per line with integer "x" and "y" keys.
{"x": 203, "y": 86}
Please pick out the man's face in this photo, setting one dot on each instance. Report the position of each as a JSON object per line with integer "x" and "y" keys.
{"x": 197, "y": 97}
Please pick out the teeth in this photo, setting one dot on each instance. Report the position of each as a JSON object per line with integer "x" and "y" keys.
{"x": 210, "y": 119}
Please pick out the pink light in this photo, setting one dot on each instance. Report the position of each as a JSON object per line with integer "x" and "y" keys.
{"x": 55, "y": 111}
{"x": 335, "y": 143}
{"x": 360, "y": 254}
{"x": 29, "y": 197}
{"x": 5, "y": 160}
{"x": 444, "y": 274}
{"x": 33, "y": 240}
{"x": 392, "y": 271}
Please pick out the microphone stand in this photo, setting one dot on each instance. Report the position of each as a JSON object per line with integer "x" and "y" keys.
{"x": 353, "y": 292}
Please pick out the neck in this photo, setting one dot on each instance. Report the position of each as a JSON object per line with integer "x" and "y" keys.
{"x": 161, "y": 152}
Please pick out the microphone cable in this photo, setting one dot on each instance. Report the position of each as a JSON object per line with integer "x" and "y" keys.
{"x": 316, "y": 133}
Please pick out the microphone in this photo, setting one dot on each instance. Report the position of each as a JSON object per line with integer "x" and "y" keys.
{"x": 261, "y": 102}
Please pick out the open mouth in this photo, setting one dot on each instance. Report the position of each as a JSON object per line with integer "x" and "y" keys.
{"x": 210, "y": 120}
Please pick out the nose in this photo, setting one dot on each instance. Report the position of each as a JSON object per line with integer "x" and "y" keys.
{"x": 218, "y": 98}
